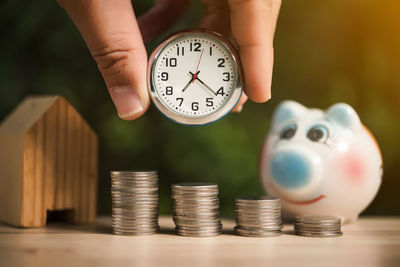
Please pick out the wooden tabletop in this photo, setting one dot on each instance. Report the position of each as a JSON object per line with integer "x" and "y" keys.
{"x": 371, "y": 241}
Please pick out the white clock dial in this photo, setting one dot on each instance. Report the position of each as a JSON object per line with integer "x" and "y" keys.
{"x": 194, "y": 76}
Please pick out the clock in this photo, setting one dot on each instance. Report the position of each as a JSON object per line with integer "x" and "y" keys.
{"x": 195, "y": 77}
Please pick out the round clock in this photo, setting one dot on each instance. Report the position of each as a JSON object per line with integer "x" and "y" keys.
{"x": 195, "y": 77}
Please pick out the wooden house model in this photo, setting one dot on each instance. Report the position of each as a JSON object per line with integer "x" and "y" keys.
{"x": 48, "y": 162}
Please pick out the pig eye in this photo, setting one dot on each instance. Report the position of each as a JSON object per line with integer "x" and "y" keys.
{"x": 318, "y": 133}
{"x": 288, "y": 132}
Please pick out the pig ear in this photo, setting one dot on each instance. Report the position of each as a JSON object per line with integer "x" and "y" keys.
{"x": 344, "y": 115}
{"x": 287, "y": 110}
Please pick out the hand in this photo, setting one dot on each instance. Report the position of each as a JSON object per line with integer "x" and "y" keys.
{"x": 115, "y": 40}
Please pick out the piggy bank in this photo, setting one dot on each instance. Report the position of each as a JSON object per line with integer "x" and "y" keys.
{"x": 320, "y": 162}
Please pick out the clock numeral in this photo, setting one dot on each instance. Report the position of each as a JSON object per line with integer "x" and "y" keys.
{"x": 221, "y": 63}
{"x": 220, "y": 91}
{"x": 180, "y": 51}
{"x": 171, "y": 62}
{"x": 209, "y": 102}
{"x": 227, "y": 77}
{"x": 180, "y": 99}
{"x": 169, "y": 90}
{"x": 195, "y": 106}
{"x": 196, "y": 47}
{"x": 210, "y": 50}
{"x": 164, "y": 76}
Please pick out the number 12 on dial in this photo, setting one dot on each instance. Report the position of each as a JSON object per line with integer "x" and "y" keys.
{"x": 195, "y": 77}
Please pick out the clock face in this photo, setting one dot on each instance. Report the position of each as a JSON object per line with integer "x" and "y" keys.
{"x": 195, "y": 76}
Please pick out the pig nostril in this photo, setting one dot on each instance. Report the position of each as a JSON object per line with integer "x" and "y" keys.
{"x": 290, "y": 170}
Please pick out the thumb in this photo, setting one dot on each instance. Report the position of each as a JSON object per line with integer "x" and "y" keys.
{"x": 112, "y": 35}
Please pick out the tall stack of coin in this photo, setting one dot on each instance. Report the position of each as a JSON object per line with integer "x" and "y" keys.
{"x": 258, "y": 216}
{"x": 318, "y": 226}
{"x": 196, "y": 209}
{"x": 134, "y": 202}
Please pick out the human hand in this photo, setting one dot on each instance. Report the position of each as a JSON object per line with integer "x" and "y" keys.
{"x": 116, "y": 41}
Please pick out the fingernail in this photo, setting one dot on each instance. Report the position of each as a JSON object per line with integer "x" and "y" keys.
{"x": 126, "y": 101}
{"x": 239, "y": 109}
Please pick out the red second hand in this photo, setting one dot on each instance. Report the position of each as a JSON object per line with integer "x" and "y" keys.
{"x": 198, "y": 64}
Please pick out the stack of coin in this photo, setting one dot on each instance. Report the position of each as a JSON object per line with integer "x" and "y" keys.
{"x": 258, "y": 216}
{"x": 134, "y": 202}
{"x": 196, "y": 209}
{"x": 318, "y": 226}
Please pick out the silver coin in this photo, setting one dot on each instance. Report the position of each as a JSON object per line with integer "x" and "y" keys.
{"x": 139, "y": 227}
{"x": 197, "y": 233}
{"x": 318, "y": 219}
{"x": 244, "y": 232}
{"x": 202, "y": 228}
{"x": 337, "y": 234}
{"x": 195, "y": 198}
{"x": 116, "y": 232}
{"x": 135, "y": 213}
{"x": 261, "y": 228}
{"x": 197, "y": 208}
{"x": 198, "y": 224}
{"x": 259, "y": 223}
{"x": 196, "y": 221}
{"x": 127, "y": 227}
{"x": 133, "y": 218}
{"x": 134, "y": 223}
{"x": 197, "y": 185}
{"x": 317, "y": 227}
{"x": 153, "y": 216}
{"x": 196, "y": 215}
{"x": 195, "y": 202}
{"x": 241, "y": 218}
{"x": 134, "y": 172}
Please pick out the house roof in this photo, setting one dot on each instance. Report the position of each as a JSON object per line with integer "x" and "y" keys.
{"x": 26, "y": 114}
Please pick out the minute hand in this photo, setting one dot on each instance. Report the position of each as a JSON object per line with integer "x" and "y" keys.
{"x": 206, "y": 86}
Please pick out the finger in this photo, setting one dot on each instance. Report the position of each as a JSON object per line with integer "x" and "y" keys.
{"x": 239, "y": 106}
{"x": 253, "y": 24}
{"x": 216, "y": 17}
{"x": 112, "y": 35}
{"x": 162, "y": 16}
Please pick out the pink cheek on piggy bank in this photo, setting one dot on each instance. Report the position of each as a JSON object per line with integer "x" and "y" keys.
{"x": 353, "y": 168}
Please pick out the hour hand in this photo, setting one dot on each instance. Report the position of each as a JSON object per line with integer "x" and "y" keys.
{"x": 187, "y": 85}
{"x": 191, "y": 80}
{"x": 205, "y": 85}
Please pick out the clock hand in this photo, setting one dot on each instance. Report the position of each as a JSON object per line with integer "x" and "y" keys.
{"x": 198, "y": 64}
{"x": 191, "y": 80}
{"x": 205, "y": 85}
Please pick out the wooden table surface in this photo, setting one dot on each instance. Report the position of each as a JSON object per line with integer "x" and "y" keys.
{"x": 371, "y": 241}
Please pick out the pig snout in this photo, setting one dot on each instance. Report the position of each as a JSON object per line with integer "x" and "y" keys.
{"x": 296, "y": 172}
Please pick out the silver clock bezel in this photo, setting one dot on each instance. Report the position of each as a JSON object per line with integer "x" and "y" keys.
{"x": 209, "y": 118}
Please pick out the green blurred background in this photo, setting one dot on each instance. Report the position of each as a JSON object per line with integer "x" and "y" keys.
{"x": 325, "y": 52}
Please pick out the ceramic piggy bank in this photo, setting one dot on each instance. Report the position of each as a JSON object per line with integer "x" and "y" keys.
{"x": 320, "y": 162}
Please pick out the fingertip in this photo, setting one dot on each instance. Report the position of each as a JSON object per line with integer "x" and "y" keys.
{"x": 259, "y": 94}
{"x": 128, "y": 103}
{"x": 133, "y": 115}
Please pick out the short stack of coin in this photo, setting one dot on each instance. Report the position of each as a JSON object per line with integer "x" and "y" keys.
{"x": 258, "y": 216}
{"x": 134, "y": 202}
{"x": 196, "y": 209}
{"x": 318, "y": 226}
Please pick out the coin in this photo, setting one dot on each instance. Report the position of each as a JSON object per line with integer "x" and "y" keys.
{"x": 258, "y": 216}
{"x": 196, "y": 209}
{"x": 318, "y": 226}
{"x": 134, "y": 202}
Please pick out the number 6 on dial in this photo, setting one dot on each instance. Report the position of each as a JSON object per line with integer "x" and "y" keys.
{"x": 195, "y": 77}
